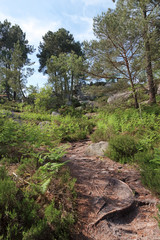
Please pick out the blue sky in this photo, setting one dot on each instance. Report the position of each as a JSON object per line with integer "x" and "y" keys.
{"x": 37, "y": 17}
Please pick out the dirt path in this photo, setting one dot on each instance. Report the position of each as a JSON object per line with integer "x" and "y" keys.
{"x": 112, "y": 204}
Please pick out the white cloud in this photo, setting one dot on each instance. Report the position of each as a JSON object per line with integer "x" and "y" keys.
{"x": 95, "y": 2}
{"x": 88, "y": 33}
{"x": 86, "y": 22}
{"x": 34, "y": 28}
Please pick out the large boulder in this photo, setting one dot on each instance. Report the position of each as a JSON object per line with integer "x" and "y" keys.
{"x": 119, "y": 97}
{"x": 96, "y": 149}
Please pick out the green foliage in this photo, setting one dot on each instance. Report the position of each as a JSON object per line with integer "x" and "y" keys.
{"x": 122, "y": 148}
{"x": 156, "y": 158}
{"x": 103, "y": 132}
{"x": 19, "y": 137}
{"x": 18, "y": 212}
{"x": 14, "y": 57}
{"x": 150, "y": 170}
{"x": 55, "y": 43}
{"x": 62, "y": 221}
{"x": 133, "y": 136}
{"x": 36, "y": 116}
{"x": 65, "y": 71}
{"x": 20, "y": 216}
{"x": 39, "y": 231}
{"x": 70, "y": 110}
{"x": 46, "y": 100}
{"x": 27, "y": 166}
{"x": 142, "y": 125}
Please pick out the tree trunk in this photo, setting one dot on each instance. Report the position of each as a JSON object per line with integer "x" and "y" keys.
{"x": 14, "y": 95}
{"x": 72, "y": 79}
{"x": 151, "y": 85}
{"x": 7, "y": 90}
{"x": 131, "y": 81}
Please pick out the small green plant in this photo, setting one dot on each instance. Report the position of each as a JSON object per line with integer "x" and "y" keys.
{"x": 122, "y": 148}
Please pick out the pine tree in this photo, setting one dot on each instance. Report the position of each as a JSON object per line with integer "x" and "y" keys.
{"x": 147, "y": 15}
{"x": 10, "y": 36}
{"x": 116, "y": 53}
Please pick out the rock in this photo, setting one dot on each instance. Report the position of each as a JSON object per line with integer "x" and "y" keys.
{"x": 44, "y": 123}
{"x": 55, "y": 114}
{"x": 80, "y": 108}
{"x": 97, "y": 149}
{"x": 144, "y": 102}
{"x": 107, "y": 207}
{"x": 69, "y": 103}
{"x": 87, "y": 103}
{"x": 158, "y": 89}
{"x": 119, "y": 97}
{"x": 90, "y": 115}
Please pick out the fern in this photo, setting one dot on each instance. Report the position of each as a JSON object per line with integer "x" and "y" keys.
{"x": 45, "y": 185}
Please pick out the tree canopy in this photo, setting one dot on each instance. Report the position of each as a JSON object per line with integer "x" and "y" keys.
{"x": 126, "y": 43}
{"x": 65, "y": 72}
{"x": 147, "y": 15}
{"x": 55, "y": 43}
{"x": 14, "y": 51}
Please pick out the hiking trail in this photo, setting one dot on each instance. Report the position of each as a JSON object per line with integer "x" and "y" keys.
{"x": 112, "y": 203}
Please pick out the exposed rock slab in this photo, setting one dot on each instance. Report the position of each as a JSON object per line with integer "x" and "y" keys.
{"x": 96, "y": 149}
{"x": 119, "y": 97}
{"x": 118, "y": 198}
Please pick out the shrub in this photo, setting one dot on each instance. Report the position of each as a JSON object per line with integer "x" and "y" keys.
{"x": 62, "y": 221}
{"x": 18, "y": 212}
{"x": 102, "y": 135}
{"x": 150, "y": 168}
{"x": 122, "y": 148}
{"x": 150, "y": 176}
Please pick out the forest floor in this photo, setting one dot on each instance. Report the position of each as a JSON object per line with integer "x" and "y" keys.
{"x": 112, "y": 203}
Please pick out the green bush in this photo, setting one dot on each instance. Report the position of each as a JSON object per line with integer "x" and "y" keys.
{"x": 151, "y": 177}
{"x": 122, "y": 148}
{"x": 62, "y": 221}
{"x": 102, "y": 135}
{"x": 150, "y": 168}
{"x": 39, "y": 231}
{"x": 18, "y": 212}
{"x": 46, "y": 100}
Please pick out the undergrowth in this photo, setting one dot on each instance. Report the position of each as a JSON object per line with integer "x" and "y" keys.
{"x": 133, "y": 137}
{"x": 38, "y": 200}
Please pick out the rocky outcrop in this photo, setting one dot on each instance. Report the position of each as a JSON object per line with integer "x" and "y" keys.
{"x": 96, "y": 149}
{"x": 119, "y": 97}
